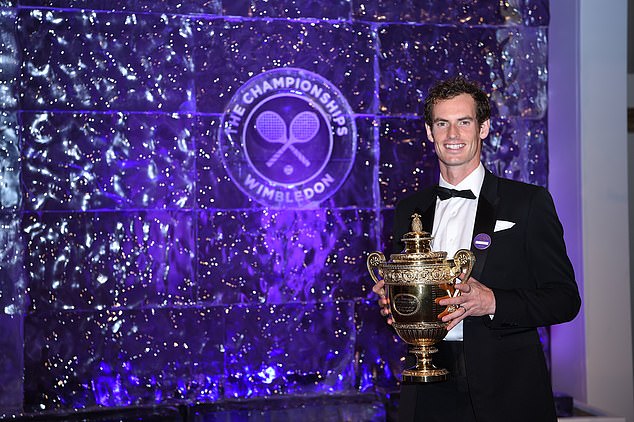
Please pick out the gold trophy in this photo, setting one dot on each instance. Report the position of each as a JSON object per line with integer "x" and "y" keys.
{"x": 415, "y": 280}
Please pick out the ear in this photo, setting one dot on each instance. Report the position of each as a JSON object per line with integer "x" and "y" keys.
{"x": 430, "y": 135}
{"x": 485, "y": 127}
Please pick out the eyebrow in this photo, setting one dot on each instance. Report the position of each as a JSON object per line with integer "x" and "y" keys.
{"x": 458, "y": 119}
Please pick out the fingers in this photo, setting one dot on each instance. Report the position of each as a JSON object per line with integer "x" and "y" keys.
{"x": 453, "y": 318}
{"x": 464, "y": 287}
{"x": 444, "y": 313}
{"x": 452, "y": 312}
{"x": 475, "y": 299}
{"x": 449, "y": 301}
{"x": 384, "y": 303}
{"x": 453, "y": 323}
{"x": 379, "y": 288}
{"x": 385, "y": 310}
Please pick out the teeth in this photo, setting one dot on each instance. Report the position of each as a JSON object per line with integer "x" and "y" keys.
{"x": 454, "y": 146}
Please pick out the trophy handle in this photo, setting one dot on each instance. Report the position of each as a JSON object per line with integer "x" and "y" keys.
{"x": 374, "y": 260}
{"x": 463, "y": 260}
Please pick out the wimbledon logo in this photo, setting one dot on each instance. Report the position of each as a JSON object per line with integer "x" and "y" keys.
{"x": 288, "y": 138}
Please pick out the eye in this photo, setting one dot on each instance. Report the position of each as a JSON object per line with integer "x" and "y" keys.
{"x": 441, "y": 124}
{"x": 464, "y": 122}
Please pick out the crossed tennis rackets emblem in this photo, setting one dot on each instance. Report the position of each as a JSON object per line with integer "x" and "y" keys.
{"x": 272, "y": 128}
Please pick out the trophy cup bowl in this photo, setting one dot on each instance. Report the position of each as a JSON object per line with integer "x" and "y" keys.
{"x": 415, "y": 280}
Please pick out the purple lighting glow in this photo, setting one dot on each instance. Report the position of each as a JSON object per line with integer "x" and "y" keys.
{"x": 170, "y": 238}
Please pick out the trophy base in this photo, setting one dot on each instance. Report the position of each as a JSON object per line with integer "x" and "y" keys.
{"x": 424, "y": 370}
{"x": 424, "y": 375}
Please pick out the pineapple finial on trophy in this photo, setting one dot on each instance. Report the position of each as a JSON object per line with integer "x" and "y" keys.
{"x": 417, "y": 225}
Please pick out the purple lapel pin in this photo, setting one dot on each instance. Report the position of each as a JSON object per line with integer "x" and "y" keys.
{"x": 482, "y": 241}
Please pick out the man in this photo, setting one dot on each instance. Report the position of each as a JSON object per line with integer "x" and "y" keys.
{"x": 522, "y": 278}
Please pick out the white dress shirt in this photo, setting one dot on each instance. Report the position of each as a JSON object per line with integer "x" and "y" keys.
{"x": 454, "y": 220}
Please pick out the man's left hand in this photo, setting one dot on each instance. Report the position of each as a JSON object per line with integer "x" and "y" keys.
{"x": 475, "y": 299}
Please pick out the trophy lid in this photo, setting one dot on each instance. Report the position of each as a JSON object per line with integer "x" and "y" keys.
{"x": 417, "y": 245}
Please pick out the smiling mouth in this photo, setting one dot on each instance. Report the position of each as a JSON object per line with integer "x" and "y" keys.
{"x": 454, "y": 147}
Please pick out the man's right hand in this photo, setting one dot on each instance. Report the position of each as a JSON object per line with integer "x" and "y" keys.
{"x": 384, "y": 302}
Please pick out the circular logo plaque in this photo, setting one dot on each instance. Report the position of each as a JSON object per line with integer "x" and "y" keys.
{"x": 288, "y": 138}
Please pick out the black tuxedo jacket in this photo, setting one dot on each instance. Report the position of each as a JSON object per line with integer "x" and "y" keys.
{"x": 528, "y": 269}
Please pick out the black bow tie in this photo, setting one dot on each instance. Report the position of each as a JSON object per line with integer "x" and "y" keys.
{"x": 446, "y": 193}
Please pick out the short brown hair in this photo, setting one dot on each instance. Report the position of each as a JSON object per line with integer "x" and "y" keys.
{"x": 450, "y": 88}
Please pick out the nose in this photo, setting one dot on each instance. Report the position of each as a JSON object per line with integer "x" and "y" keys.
{"x": 452, "y": 132}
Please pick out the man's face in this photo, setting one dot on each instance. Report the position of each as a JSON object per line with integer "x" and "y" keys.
{"x": 456, "y": 135}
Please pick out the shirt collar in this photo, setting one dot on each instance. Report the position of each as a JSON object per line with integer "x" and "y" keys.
{"x": 473, "y": 181}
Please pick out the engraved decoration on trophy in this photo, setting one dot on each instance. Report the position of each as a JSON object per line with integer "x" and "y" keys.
{"x": 415, "y": 280}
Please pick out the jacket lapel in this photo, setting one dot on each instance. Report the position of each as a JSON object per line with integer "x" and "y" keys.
{"x": 427, "y": 213}
{"x": 484, "y": 222}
